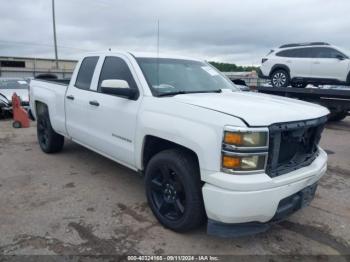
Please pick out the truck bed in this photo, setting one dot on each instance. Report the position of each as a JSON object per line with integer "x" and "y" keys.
{"x": 50, "y": 92}
{"x": 64, "y": 82}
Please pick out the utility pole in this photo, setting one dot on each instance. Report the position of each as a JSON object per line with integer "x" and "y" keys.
{"x": 54, "y": 31}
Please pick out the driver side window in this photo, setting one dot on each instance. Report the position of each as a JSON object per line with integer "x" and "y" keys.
{"x": 116, "y": 68}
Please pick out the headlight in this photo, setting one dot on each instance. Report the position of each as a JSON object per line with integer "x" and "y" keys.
{"x": 243, "y": 163}
{"x": 244, "y": 150}
{"x": 248, "y": 139}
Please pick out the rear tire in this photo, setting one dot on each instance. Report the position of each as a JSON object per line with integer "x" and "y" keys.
{"x": 173, "y": 190}
{"x": 280, "y": 78}
{"x": 299, "y": 85}
{"x": 49, "y": 140}
{"x": 339, "y": 116}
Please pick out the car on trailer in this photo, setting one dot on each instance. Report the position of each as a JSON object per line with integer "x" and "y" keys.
{"x": 300, "y": 64}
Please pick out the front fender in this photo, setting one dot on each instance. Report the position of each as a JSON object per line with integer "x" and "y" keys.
{"x": 196, "y": 128}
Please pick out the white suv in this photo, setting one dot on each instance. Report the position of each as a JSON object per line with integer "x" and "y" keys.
{"x": 307, "y": 63}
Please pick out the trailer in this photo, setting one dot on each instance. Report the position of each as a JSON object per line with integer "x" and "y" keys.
{"x": 336, "y": 100}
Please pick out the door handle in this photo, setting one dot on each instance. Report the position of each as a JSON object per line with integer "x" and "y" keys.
{"x": 70, "y": 97}
{"x": 289, "y": 61}
{"x": 316, "y": 63}
{"x": 94, "y": 103}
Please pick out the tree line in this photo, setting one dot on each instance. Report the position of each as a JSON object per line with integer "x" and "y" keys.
{"x": 227, "y": 67}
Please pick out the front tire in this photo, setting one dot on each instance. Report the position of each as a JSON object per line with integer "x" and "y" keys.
{"x": 280, "y": 78}
{"x": 173, "y": 190}
{"x": 49, "y": 140}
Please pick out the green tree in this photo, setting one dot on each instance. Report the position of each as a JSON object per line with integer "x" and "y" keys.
{"x": 227, "y": 67}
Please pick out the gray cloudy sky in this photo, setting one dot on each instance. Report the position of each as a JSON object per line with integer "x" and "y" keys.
{"x": 229, "y": 31}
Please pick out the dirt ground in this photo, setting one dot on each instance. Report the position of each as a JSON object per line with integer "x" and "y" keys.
{"x": 78, "y": 202}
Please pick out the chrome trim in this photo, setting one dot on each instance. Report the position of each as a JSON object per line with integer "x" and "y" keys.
{"x": 239, "y": 148}
{"x": 232, "y": 171}
{"x": 246, "y": 129}
{"x": 229, "y": 153}
{"x": 238, "y": 129}
{"x": 235, "y": 172}
{"x": 232, "y": 150}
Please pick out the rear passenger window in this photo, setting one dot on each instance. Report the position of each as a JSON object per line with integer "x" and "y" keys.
{"x": 116, "y": 68}
{"x": 297, "y": 53}
{"x": 86, "y": 72}
{"x": 325, "y": 52}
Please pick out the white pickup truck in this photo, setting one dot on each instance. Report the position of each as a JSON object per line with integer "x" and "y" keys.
{"x": 209, "y": 152}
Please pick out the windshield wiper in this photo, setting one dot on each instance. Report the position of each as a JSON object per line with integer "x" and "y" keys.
{"x": 181, "y": 92}
{"x": 172, "y": 93}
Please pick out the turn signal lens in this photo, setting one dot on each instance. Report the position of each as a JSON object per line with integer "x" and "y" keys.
{"x": 244, "y": 163}
{"x": 241, "y": 139}
{"x": 231, "y": 162}
{"x": 233, "y": 138}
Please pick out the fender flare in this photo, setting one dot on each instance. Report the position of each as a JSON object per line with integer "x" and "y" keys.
{"x": 279, "y": 66}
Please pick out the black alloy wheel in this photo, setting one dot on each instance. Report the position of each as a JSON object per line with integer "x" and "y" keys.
{"x": 167, "y": 193}
{"x": 174, "y": 190}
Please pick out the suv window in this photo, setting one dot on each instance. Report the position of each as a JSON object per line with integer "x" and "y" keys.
{"x": 86, "y": 72}
{"x": 325, "y": 52}
{"x": 297, "y": 53}
{"x": 116, "y": 68}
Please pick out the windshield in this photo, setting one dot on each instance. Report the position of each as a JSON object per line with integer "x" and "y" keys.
{"x": 13, "y": 84}
{"x": 172, "y": 76}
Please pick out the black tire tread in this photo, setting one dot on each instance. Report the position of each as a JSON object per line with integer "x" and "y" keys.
{"x": 338, "y": 116}
{"x": 196, "y": 216}
{"x": 56, "y": 141}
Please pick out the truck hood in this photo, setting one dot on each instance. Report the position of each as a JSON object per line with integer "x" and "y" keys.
{"x": 22, "y": 93}
{"x": 255, "y": 109}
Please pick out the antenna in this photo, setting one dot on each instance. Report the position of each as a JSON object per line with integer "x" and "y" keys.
{"x": 158, "y": 52}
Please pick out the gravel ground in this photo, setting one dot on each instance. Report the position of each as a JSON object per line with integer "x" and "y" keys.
{"x": 78, "y": 202}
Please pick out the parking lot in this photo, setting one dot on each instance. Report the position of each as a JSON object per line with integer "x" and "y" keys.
{"x": 78, "y": 202}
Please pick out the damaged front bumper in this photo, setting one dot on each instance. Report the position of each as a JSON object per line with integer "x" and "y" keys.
{"x": 286, "y": 207}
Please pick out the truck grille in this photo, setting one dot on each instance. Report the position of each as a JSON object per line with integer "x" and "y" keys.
{"x": 293, "y": 145}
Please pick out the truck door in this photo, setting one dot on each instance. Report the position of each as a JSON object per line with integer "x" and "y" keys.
{"x": 329, "y": 63}
{"x": 113, "y": 118}
{"x": 77, "y": 104}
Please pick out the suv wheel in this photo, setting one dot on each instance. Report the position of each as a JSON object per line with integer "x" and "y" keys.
{"x": 280, "y": 78}
{"x": 173, "y": 190}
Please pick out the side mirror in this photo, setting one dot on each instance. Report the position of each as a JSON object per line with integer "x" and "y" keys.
{"x": 119, "y": 88}
{"x": 340, "y": 57}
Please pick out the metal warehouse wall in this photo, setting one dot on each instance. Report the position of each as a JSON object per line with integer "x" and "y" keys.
{"x": 31, "y": 67}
